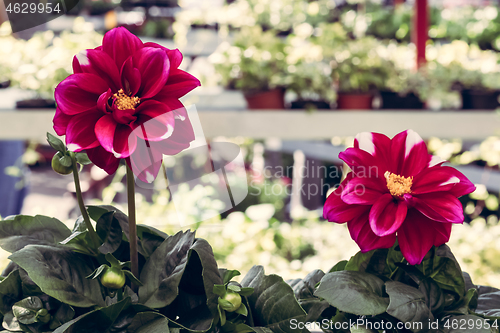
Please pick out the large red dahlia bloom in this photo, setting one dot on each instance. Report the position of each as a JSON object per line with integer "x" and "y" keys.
{"x": 397, "y": 189}
{"x": 123, "y": 102}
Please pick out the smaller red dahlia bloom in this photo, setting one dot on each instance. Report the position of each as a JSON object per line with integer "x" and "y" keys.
{"x": 122, "y": 102}
{"x": 397, "y": 189}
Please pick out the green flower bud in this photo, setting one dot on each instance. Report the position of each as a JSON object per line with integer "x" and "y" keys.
{"x": 231, "y": 301}
{"x": 42, "y": 316}
{"x": 113, "y": 278}
{"x": 58, "y": 167}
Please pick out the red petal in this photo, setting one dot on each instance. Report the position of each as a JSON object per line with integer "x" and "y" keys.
{"x": 464, "y": 187}
{"x": 363, "y": 191}
{"x": 61, "y": 121}
{"x": 179, "y": 141}
{"x": 336, "y": 210}
{"x": 409, "y": 154}
{"x": 179, "y": 84}
{"x": 155, "y": 121}
{"x": 434, "y": 179}
{"x": 103, "y": 159}
{"x": 376, "y": 144}
{"x": 175, "y": 56}
{"x": 120, "y": 44}
{"x": 154, "y": 66}
{"x": 441, "y": 207}
{"x": 115, "y": 138}
{"x": 362, "y": 234}
{"x": 362, "y": 163}
{"x": 145, "y": 161}
{"x": 79, "y": 92}
{"x": 130, "y": 77}
{"x": 417, "y": 235}
{"x": 124, "y": 141}
{"x": 387, "y": 215}
{"x": 80, "y": 134}
{"x": 98, "y": 63}
{"x": 173, "y": 104}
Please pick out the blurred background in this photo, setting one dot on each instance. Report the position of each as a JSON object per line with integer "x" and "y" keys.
{"x": 291, "y": 82}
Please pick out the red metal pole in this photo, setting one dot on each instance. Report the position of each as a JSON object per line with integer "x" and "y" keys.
{"x": 420, "y": 30}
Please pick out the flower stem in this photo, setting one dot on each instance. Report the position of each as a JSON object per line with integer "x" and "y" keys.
{"x": 93, "y": 235}
{"x": 134, "y": 259}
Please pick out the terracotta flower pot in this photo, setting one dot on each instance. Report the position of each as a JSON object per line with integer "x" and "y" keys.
{"x": 348, "y": 101}
{"x": 272, "y": 99}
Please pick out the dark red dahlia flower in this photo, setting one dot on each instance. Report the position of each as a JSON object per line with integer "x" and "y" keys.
{"x": 123, "y": 102}
{"x": 397, "y": 189}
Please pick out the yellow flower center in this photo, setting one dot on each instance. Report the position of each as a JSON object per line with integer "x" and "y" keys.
{"x": 124, "y": 101}
{"x": 398, "y": 185}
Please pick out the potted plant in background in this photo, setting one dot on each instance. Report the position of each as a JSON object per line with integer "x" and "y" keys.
{"x": 309, "y": 73}
{"x": 255, "y": 64}
{"x": 40, "y": 63}
{"x": 358, "y": 70}
{"x": 480, "y": 91}
{"x": 400, "y": 89}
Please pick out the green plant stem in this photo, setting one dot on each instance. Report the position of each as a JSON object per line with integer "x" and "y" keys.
{"x": 134, "y": 258}
{"x": 93, "y": 235}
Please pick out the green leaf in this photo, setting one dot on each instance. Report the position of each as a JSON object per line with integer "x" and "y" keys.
{"x": 26, "y": 309}
{"x": 163, "y": 270}
{"x": 56, "y": 143}
{"x": 407, "y": 303}
{"x": 228, "y": 274}
{"x": 97, "y": 321}
{"x": 488, "y": 303}
{"x": 95, "y": 212}
{"x": 373, "y": 262}
{"x": 242, "y": 310}
{"x": 196, "y": 305}
{"x": 80, "y": 242}
{"x": 109, "y": 230}
{"x": 149, "y": 239}
{"x": 443, "y": 268}
{"x": 60, "y": 273}
{"x": 246, "y": 292}
{"x": 10, "y": 291}
{"x": 209, "y": 270}
{"x": 82, "y": 158}
{"x": 18, "y": 231}
{"x": 434, "y": 297}
{"x": 353, "y": 292}
{"x": 219, "y": 289}
{"x": 359, "y": 262}
{"x": 149, "y": 322}
{"x": 10, "y": 323}
{"x": 471, "y": 298}
{"x": 66, "y": 161}
{"x": 234, "y": 288}
{"x": 63, "y": 314}
{"x": 132, "y": 278}
{"x": 305, "y": 288}
{"x": 98, "y": 271}
{"x": 340, "y": 266}
{"x": 273, "y": 303}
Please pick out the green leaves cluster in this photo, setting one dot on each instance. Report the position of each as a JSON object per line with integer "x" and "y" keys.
{"x": 379, "y": 286}
{"x": 57, "y": 282}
